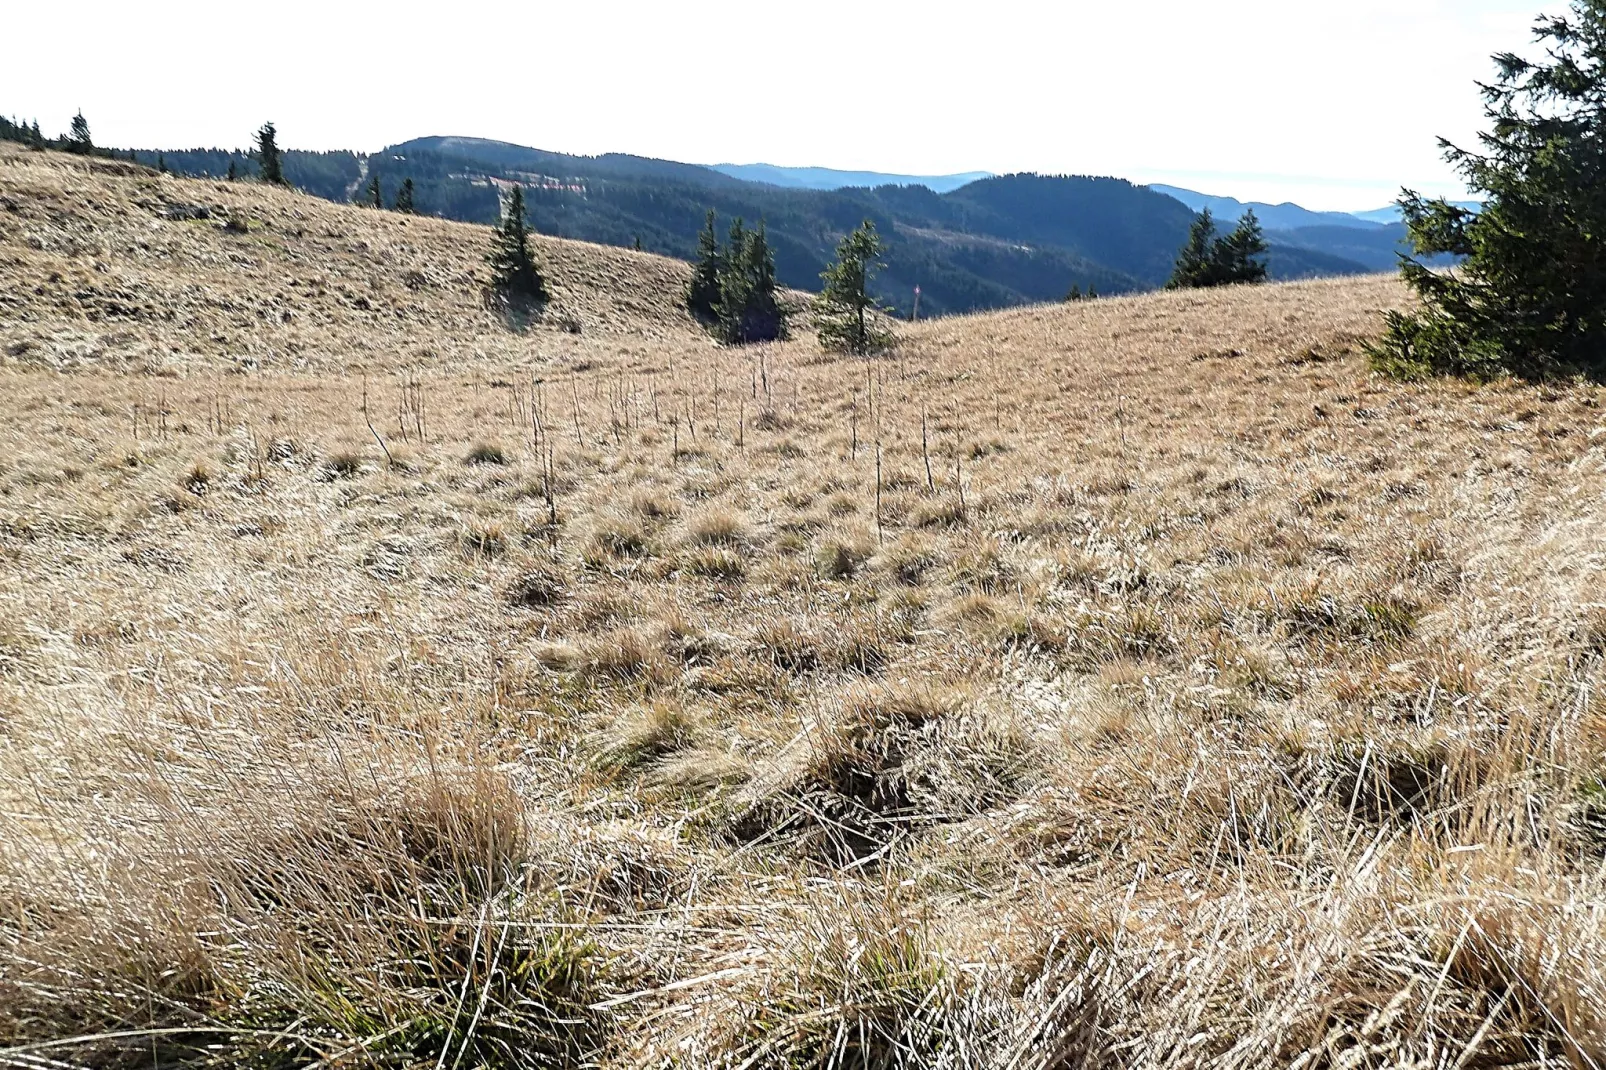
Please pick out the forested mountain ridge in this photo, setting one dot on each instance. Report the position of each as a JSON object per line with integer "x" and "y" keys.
{"x": 992, "y": 243}
{"x": 1000, "y": 241}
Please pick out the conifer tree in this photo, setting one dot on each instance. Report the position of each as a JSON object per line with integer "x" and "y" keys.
{"x": 161, "y": 163}
{"x": 702, "y": 293}
{"x": 36, "y": 139}
{"x": 1529, "y": 297}
{"x": 1075, "y": 293}
{"x": 234, "y": 172}
{"x": 1237, "y": 256}
{"x": 79, "y": 141}
{"x": 1193, "y": 262}
{"x": 269, "y": 158}
{"x": 514, "y": 275}
{"x": 1208, "y": 260}
{"x": 375, "y": 198}
{"x": 845, "y": 307}
{"x": 404, "y": 198}
{"x": 749, "y": 310}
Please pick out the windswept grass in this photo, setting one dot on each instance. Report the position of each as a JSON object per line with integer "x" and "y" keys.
{"x": 1214, "y": 704}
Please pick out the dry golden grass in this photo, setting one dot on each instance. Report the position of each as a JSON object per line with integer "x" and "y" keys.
{"x": 1212, "y": 703}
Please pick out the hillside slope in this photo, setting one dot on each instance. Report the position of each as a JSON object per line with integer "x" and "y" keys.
{"x": 1137, "y": 682}
{"x": 110, "y": 265}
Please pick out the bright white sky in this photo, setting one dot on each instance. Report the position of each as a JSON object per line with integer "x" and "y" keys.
{"x": 1331, "y": 105}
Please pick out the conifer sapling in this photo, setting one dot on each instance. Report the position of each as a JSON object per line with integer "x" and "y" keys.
{"x": 514, "y": 275}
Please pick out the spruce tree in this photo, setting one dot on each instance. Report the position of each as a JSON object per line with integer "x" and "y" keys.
{"x": 375, "y": 198}
{"x": 78, "y": 140}
{"x": 1207, "y": 260}
{"x": 161, "y": 163}
{"x": 1193, "y": 262}
{"x": 404, "y": 198}
{"x": 36, "y": 139}
{"x": 1237, "y": 256}
{"x": 514, "y": 276}
{"x": 749, "y": 310}
{"x": 845, "y": 308}
{"x": 233, "y": 171}
{"x": 1529, "y": 297}
{"x": 702, "y": 293}
{"x": 269, "y": 159}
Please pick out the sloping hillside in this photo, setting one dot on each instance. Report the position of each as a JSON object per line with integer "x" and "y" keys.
{"x": 1138, "y": 682}
{"x": 116, "y": 265}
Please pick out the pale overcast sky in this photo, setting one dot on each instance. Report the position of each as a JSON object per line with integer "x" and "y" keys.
{"x": 1330, "y": 105}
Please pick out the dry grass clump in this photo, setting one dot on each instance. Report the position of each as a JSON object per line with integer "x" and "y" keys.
{"x": 1235, "y": 712}
{"x": 342, "y": 464}
{"x": 656, "y": 731}
{"x": 888, "y": 760}
{"x": 618, "y": 537}
{"x": 538, "y": 588}
{"x": 716, "y": 563}
{"x": 484, "y": 538}
{"x": 868, "y": 994}
{"x": 717, "y": 527}
{"x": 486, "y": 453}
{"x": 841, "y": 556}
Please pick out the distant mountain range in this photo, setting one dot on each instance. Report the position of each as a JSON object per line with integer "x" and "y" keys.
{"x": 1392, "y": 213}
{"x": 984, "y": 241}
{"x": 825, "y": 178}
{"x": 1284, "y": 216}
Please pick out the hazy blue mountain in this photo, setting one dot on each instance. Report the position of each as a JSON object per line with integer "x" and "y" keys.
{"x": 1376, "y": 247}
{"x": 1392, "y": 214}
{"x": 1285, "y": 216}
{"x": 825, "y": 178}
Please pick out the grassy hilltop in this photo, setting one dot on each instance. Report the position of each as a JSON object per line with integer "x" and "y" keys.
{"x": 1133, "y": 682}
